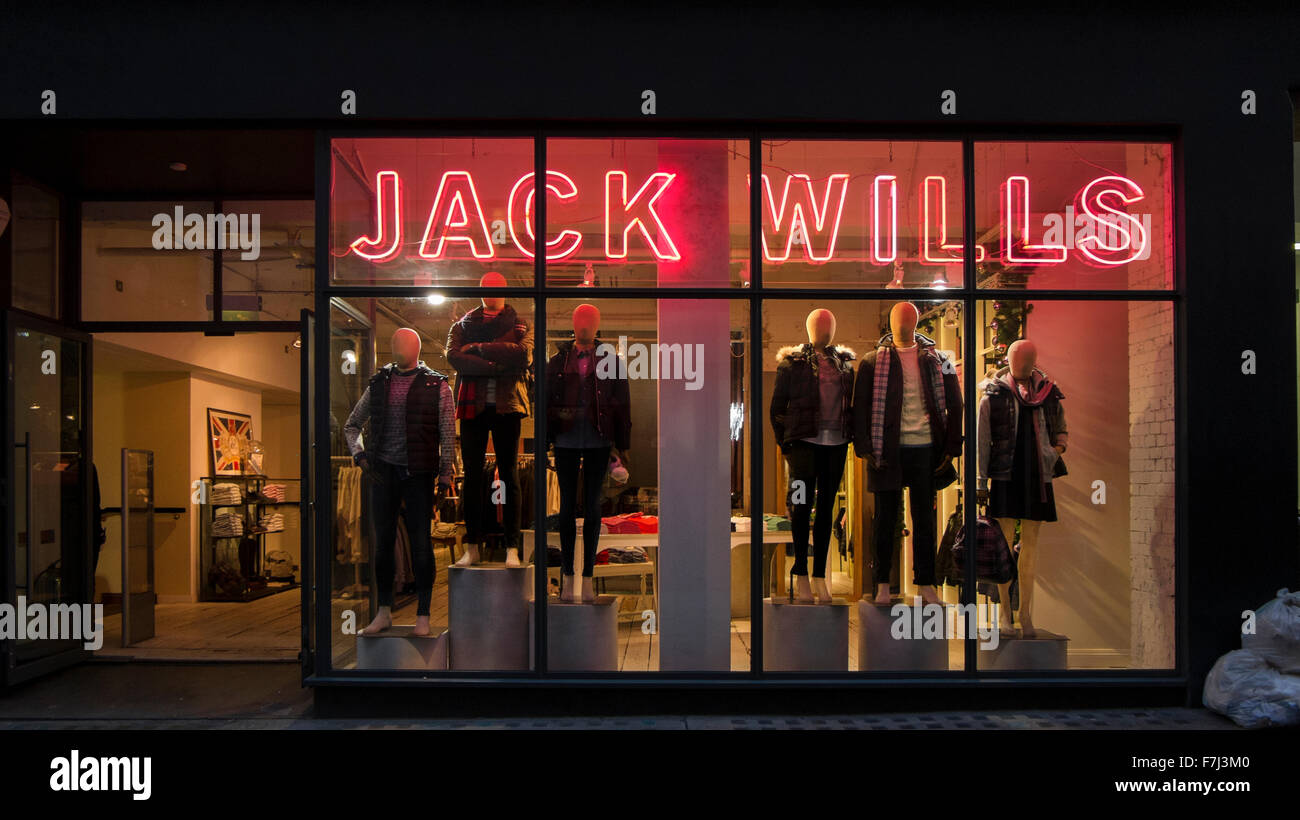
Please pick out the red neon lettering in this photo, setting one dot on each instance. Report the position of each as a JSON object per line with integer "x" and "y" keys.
{"x": 805, "y": 201}
{"x": 388, "y": 201}
{"x": 1094, "y": 245}
{"x": 934, "y": 196}
{"x": 555, "y": 248}
{"x": 1015, "y": 211}
{"x": 890, "y": 253}
{"x": 645, "y": 209}
{"x": 450, "y": 213}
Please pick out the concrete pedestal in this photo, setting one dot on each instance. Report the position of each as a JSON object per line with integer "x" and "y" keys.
{"x": 488, "y": 611}
{"x": 1046, "y": 650}
{"x": 398, "y": 648}
{"x": 879, "y": 649}
{"x": 580, "y": 637}
{"x": 800, "y": 637}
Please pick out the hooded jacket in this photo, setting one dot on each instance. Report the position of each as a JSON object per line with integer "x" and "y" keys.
{"x": 945, "y": 422}
{"x": 504, "y": 353}
{"x": 999, "y": 413}
{"x": 796, "y": 398}
{"x": 611, "y": 414}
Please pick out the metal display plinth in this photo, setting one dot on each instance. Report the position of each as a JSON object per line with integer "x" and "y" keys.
{"x": 489, "y": 613}
{"x": 399, "y": 648}
{"x": 581, "y": 637}
{"x": 1046, "y": 650}
{"x": 880, "y": 648}
{"x": 805, "y": 637}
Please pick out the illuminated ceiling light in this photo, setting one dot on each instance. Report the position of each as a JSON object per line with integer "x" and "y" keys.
{"x": 436, "y": 299}
{"x": 1297, "y": 246}
{"x": 34, "y": 406}
{"x": 178, "y": 166}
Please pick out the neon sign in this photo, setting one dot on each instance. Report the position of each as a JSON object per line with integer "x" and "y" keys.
{"x": 808, "y": 214}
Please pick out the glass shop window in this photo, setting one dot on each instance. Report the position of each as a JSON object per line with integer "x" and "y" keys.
{"x": 862, "y": 493}
{"x": 1075, "y": 449}
{"x": 648, "y": 524}
{"x": 268, "y": 276}
{"x": 430, "y": 212}
{"x": 431, "y": 500}
{"x": 1074, "y": 215}
{"x": 647, "y": 212}
{"x": 35, "y": 232}
{"x": 146, "y": 261}
{"x": 862, "y": 214}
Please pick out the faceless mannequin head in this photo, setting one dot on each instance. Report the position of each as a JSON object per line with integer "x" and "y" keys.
{"x": 821, "y": 328}
{"x": 493, "y": 304}
{"x": 1022, "y": 356}
{"x": 406, "y": 348}
{"x": 902, "y": 323}
{"x": 586, "y": 321}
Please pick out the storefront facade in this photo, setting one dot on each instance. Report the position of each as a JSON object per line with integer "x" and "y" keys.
{"x": 1135, "y": 232}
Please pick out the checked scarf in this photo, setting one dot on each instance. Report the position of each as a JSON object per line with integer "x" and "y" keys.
{"x": 926, "y": 357}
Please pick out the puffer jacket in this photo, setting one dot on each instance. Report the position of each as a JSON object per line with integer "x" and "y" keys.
{"x": 611, "y": 414}
{"x": 999, "y": 415}
{"x": 504, "y": 353}
{"x": 945, "y": 422}
{"x": 796, "y": 398}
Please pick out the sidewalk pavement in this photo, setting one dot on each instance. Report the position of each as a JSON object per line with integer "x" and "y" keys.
{"x": 103, "y": 695}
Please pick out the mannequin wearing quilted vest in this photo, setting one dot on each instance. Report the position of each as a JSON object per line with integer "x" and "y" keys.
{"x": 1022, "y": 436}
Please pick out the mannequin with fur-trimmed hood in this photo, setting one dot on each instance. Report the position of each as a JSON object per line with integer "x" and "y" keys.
{"x": 812, "y": 417}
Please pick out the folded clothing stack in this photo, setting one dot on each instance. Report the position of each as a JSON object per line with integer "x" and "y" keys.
{"x": 773, "y": 523}
{"x": 227, "y": 524}
{"x": 630, "y": 524}
{"x": 621, "y": 555}
{"x": 224, "y": 493}
{"x": 273, "y": 492}
{"x": 740, "y": 523}
{"x": 271, "y": 522}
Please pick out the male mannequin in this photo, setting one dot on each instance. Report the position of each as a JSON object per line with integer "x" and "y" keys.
{"x": 588, "y": 412}
{"x": 1022, "y": 436}
{"x": 410, "y": 441}
{"x": 907, "y": 425}
{"x": 813, "y": 422}
{"x": 491, "y": 348}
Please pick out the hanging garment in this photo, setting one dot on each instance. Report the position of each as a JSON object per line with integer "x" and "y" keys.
{"x": 348, "y": 515}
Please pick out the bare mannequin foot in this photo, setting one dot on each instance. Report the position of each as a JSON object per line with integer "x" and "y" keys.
{"x": 470, "y": 558}
{"x": 929, "y": 595}
{"x": 421, "y": 625}
{"x": 883, "y": 598}
{"x": 1027, "y": 626}
{"x": 512, "y": 558}
{"x": 822, "y": 590}
{"x": 383, "y": 620}
{"x": 1006, "y": 628}
{"x": 802, "y": 589}
{"x": 566, "y": 588}
{"x": 588, "y": 591}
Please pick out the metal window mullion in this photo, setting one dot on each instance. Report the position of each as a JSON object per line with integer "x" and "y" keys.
{"x": 754, "y": 398}
{"x": 970, "y": 373}
{"x": 541, "y": 581}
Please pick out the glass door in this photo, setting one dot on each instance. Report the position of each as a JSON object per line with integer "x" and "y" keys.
{"x": 48, "y": 500}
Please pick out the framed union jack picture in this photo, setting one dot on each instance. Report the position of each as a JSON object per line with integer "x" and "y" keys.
{"x": 231, "y": 434}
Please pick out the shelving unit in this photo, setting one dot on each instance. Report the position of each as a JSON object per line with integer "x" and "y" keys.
{"x": 239, "y": 577}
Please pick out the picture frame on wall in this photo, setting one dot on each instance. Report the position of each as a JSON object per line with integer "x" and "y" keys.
{"x": 231, "y": 435}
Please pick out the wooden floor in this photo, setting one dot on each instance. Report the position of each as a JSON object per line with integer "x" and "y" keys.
{"x": 269, "y": 628}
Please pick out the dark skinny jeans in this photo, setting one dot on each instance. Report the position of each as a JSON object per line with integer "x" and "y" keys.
{"x": 594, "y": 463}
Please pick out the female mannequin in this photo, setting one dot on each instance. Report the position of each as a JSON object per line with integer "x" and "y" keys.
{"x": 812, "y": 418}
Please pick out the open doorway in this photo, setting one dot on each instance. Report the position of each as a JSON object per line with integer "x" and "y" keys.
{"x": 218, "y": 417}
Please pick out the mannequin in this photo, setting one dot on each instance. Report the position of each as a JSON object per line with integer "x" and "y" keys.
{"x": 1022, "y": 436}
{"x": 914, "y": 433}
{"x": 491, "y": 348}
{"x": 813, "y": 421}
{"x": 588, "y": 409}
{"x": 407, "y": 406}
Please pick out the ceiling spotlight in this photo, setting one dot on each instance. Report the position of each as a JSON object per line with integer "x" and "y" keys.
{"x": 178, "y": 166}
{"x": 436, "y": 298}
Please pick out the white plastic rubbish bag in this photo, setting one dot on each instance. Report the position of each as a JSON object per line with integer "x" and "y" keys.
{"x": 1246, "y": 688}
{"x": 1277, "y": 632}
